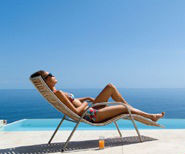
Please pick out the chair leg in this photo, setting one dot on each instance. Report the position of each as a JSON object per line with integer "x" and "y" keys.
{"x": 118, "y": 129}
{"x": 66, "y": 143}
{"x": 56, "y": 129}
{"x": 136, "y": 129}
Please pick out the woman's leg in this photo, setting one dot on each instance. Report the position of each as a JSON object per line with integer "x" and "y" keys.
{"x": 111, "y": 111}
{"x": 109, "y": 91}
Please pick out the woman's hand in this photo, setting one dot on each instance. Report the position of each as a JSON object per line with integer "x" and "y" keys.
{"x": 85, "y": 99}
{"x": 91, "y": 99}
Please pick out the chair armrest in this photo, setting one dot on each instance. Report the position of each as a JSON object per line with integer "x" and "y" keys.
{"x": 92, "y": 103}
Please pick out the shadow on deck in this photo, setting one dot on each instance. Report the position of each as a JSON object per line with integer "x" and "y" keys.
{"x": 74, "y": 145}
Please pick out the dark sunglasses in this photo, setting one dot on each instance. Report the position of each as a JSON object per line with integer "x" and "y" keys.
{"x": 51, "y": 75}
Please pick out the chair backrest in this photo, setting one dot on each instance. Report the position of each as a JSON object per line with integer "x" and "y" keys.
{"x": 46, "y": 92}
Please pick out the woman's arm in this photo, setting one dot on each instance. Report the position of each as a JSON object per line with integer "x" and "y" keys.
{"x": 78, "y": 110}
{"x": 86, "y": 98}
{"x": 81, "y": 108}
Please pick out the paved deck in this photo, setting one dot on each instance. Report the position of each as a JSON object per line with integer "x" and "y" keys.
{"x": 86, "y": 142}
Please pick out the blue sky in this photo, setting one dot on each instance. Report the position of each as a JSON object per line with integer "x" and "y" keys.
{"x": 89, "y": 43}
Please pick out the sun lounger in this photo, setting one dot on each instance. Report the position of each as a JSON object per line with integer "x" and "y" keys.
{"x": 45, "y": 91}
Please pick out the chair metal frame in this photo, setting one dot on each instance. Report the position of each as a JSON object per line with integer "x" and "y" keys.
{"x": 78, "y": 122}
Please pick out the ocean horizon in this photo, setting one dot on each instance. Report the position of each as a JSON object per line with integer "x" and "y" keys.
{"x": 16, "y": 104}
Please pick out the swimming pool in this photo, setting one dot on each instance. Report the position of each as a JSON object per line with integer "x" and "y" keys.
{"x": 51, "y": 124}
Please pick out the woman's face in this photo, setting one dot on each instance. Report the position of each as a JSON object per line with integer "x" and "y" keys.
{"x": 50, "y": 79}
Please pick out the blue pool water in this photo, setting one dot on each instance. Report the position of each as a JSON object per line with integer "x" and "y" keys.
{"x": 51, "y": 124}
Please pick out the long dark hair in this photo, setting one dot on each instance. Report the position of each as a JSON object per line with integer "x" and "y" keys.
{"x": 41, "y": 73}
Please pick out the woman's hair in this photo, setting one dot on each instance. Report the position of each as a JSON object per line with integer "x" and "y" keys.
{"x": 39, "y": 73}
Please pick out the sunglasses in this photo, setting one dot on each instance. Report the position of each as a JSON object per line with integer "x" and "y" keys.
{"x": 51, "y": 75}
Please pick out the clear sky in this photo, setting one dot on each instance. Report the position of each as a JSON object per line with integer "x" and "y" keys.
{"x": 89, "y": 43}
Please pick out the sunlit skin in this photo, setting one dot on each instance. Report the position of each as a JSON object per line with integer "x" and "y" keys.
{"x": 78, "y": 105}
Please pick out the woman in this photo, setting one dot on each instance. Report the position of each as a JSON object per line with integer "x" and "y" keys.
{"x": 98, "y": 114}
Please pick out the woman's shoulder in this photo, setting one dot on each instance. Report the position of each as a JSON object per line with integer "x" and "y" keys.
{"x": 60, "y": 92}
{"x": 57, "y": 91}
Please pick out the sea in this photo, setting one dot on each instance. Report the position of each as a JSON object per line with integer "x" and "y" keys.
{"x": 16, "y": 104}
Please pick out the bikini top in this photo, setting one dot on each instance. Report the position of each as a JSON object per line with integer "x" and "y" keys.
{"x": 71, "y": 97}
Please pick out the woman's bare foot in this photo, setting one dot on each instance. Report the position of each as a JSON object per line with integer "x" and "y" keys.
{"x": 156, "y": 117}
